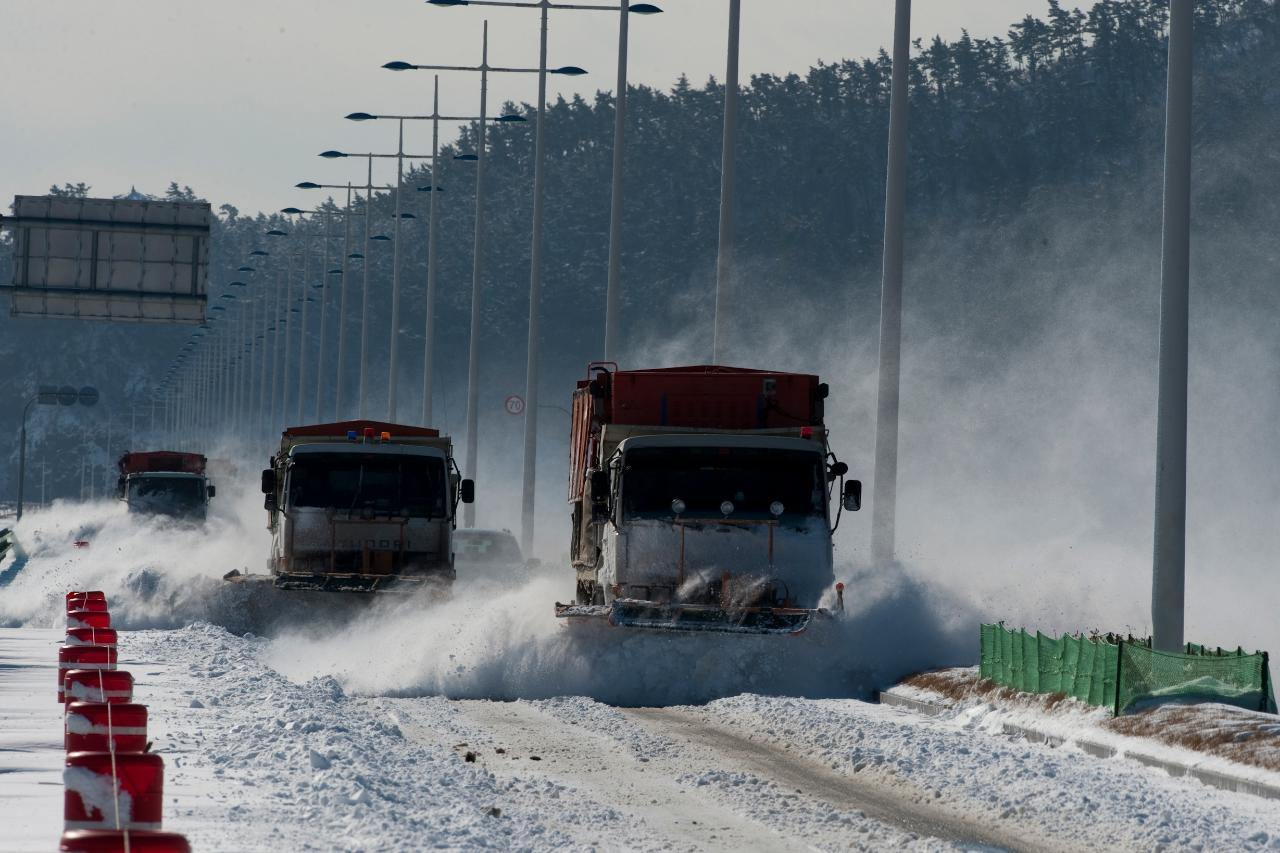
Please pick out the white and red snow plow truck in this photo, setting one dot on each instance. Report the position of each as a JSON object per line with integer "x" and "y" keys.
{"x": 362, "y": 506}
{"x": 701, "y": 499}
{"x": 164, "y": 482}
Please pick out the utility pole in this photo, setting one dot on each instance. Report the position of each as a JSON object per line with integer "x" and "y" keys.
{"x": 1168, "y": 585}
{"x": 885, "y": 496}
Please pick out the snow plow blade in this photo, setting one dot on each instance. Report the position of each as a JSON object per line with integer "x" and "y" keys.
{"x": 692, "y": 618}
{"x": 401, "y": 584}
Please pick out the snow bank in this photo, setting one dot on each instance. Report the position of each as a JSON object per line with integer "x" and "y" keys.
{"x": 489, "y": 641}
{"x": 155, "y": 573}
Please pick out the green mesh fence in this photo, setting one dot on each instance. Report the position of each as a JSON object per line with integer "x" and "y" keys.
{"x": 1118, "y": 672}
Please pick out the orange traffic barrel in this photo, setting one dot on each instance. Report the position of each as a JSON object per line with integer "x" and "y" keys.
{"x": 104, "y": 790}
{"x": 91, "y": 637}
{"x": 83, "y": 657}
{"x": 123, "y": 841}
{"x": 98, "y": 685}
{"x": 102, "y": 726}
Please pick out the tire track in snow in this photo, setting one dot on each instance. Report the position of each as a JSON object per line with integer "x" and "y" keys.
{"x": 794, "y": 772}
{"x": 693, "y": 785}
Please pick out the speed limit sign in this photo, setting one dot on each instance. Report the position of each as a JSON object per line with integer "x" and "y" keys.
{"x": 515, "y": 404}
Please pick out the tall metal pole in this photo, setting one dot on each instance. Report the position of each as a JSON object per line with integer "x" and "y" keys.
{"x": 612, "y": 300}
{"x": 477, "y": 270}
{"x": 338, "y": 409}
{"x": 252, "y": 351}
{"x": 304, "y": 326}
{"x": 1168, "y": 586}
{"x": 393, "y": 383}
{"x": 429, "y": 333}
{"x": 535, "y": 300}
{"x": 324, "y": 313}
{"x": 22, "y": 457}
{"x": 885, "y": 495}
{"x": 724, "y": 254}
{"x": 272, "y": 422}
{"x": 364, "y": 298}
{"x": 267, "y": 311}
{"x": 288, "y": 336}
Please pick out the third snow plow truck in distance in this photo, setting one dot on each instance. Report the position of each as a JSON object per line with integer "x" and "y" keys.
{"x": 165, "y": 482}
{"x": 362, "y": 506}
{"x": 701, "y": 499}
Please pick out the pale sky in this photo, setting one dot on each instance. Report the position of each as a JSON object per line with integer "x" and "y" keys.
{"x": 236, "y": 97}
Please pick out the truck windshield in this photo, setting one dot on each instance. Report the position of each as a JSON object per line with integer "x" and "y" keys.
{"x": 751, "y": 478}
{"x": 180, "y": 496}
{"x": 404, "y": 486}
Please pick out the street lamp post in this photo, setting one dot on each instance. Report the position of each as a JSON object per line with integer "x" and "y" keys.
{"x": 47, "y": 395}
{"x": 1168, "y": 584}
{"x": 347, "y": 257}
{"x": 885, "y": 498}
{"x": 280, "y": 340}
{"x": 532, "y": 362}
{"x": 728, "y": 160}
{"x": 477, "y": 260}
{"x": 400, "y": 156}
{"x": 435, "y": 118}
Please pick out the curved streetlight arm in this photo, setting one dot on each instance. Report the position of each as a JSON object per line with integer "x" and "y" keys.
{"x": 410, "y": 66}
{"x": 502, "y": 118}
{"x": 649, "y": 9}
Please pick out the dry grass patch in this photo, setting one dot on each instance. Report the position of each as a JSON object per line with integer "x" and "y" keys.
{"x": 1250, "y": 738}
{"x": 964, "y": 686}
{"x": 1246, "y": 737}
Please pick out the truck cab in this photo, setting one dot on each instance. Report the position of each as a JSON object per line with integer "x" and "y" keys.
{"x": 362, "y": 506}
{"x": 703, "y": 499}
{"x": 165, "y": 483}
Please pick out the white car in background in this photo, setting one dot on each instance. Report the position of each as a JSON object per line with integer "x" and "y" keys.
{"x": 490, "y": 554}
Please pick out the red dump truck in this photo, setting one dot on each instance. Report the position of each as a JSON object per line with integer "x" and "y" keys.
{"x": 164, "y": 482}
{"x": 701, "y": 498}
{"x": 362, "y": 506}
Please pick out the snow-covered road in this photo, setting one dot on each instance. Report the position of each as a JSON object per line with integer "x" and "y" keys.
{"x": 257, "y": 761}
{"x": 353, "y": 733}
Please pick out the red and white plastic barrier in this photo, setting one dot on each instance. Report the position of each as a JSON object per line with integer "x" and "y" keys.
{"x": 97, "y": 685}
{"x": 88, "y": 619}
{"x": 122, "y": 841}
{"x": 114, "y": 787}
{"x": 83, "y": 657}
{"x": 91, "y": 637}
{"x": 93, "y": 605}
{"x": 104, "y": 727}
{"x": 106, "y": 790}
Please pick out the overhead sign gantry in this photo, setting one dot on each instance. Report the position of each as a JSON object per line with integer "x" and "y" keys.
{"x": 110, "y": 259}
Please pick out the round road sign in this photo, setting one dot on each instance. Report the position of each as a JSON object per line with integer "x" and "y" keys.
{"x": 88, "y": 395}
{"x": 67, "y": 396}
{"x": 515, "y": 404}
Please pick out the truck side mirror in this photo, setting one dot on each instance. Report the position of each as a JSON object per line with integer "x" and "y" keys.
{"x": 211, "y": 491}
{"x": 599, "y": 496}
{"x": 268, "y": 481}
{"x": 467, "y": 491}
{"x": 853, "y": 495}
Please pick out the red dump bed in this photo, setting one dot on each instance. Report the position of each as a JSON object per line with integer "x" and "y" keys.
{"x": 161, "y": 460}
{"x": 701, "y": 396}
{"x": 341, "y": 428}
